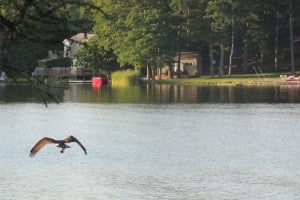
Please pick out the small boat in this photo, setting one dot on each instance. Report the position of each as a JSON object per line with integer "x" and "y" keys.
{"x": 293, "y": 78}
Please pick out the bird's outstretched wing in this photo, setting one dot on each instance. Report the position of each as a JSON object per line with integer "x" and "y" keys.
{"x": 40, "y": 144}
{"x": 74, "y": 139}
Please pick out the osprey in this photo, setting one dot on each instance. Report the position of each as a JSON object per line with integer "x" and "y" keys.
{"x": 61, "y": 144}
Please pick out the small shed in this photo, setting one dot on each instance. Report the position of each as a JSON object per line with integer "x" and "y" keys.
{"x": 190, "y": 64}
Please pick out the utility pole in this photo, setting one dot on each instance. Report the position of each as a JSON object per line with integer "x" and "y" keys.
{"x": 292, "y": 41}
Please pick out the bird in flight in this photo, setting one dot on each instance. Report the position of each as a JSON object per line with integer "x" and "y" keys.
{"x": 61, "y": 144}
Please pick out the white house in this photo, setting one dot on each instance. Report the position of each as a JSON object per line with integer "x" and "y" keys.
{"x": 72, "y": 45}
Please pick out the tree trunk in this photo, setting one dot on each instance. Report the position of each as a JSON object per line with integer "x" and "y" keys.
{"x": 159, "y": 73}
{"x": 221, "y": 64}
{"x": 152, "y": 73}
{"x": 212, "y": 61}
{"x": 148, "y": 73}
{"x": 232, "y": 49}
{"x": 245, "y": 56}
{"x": 158, "y": 65}
{"x": 170, "y": 72}
{"x": 178, "y": 73}
{"x": 276, "y": 40}
{"x": 292, "y": 41}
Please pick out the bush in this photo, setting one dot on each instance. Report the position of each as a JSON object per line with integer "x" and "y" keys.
{"x": 59, "y": 62}
{"x": 128, "y": 77}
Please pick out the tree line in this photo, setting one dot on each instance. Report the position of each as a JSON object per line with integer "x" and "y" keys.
{"x": 232, "y": 36}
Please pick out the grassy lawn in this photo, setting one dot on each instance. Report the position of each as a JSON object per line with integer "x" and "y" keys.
{"x": 234, "y": 79}
{"x": 243, "y": 79}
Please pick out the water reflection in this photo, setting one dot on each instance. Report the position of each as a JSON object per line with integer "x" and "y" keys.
{"x": 184, "y": 94}
{"x": 10, "y": 93}
{"x": 157, "y": 94}
{"x": 290, "y": 91}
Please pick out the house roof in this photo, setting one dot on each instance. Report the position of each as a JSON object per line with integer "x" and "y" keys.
{"x": 82, "y": 37}
{"x": 185, "y": 55}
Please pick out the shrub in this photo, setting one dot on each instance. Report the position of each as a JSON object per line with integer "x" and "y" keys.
{"x": 128, "y": 77}
{"x": 59, "y": 62}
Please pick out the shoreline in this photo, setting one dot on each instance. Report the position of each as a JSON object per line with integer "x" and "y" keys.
{"x": 234, "y": 80}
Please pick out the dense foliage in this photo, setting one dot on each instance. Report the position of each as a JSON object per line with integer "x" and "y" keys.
{"x": 30, "y": 28}
{"x": 93, "y": 55}
{"x": 58, "y": 62}
{"x": 233, "y": 35}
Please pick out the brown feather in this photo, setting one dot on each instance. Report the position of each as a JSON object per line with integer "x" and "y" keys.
{"x": 40, "y": 144}
{"x": 74, "y": 139}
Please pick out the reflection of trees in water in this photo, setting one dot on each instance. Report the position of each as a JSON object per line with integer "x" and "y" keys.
{"x": 27, "y": 93}
{"x": 156, "y": 93}
{"x": 224, "y": 94}
{"x": 166, "y": 93}
{"x": 174, "y": 93}
{"x": 290, "y": 91}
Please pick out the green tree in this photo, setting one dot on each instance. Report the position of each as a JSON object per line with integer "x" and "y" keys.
{"x": 268, "y": 31}
{"x": 137, "y": 31}
{"x": 95, "y": 56}
{"x": 28, "y": 28}
{"x": 35, "y": 26}
{"x": 225, "y": 17}
{"x": 188, "y": 23}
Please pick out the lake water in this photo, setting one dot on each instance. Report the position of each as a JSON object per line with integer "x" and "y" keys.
{"x": 159, "y": 142}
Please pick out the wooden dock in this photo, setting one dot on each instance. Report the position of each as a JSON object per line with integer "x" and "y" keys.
{"x": 79, "y": 81}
